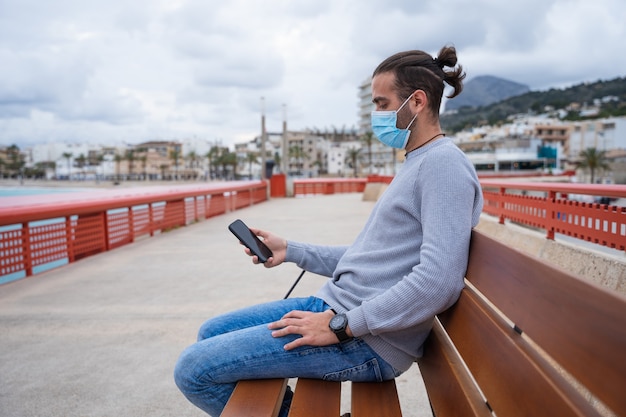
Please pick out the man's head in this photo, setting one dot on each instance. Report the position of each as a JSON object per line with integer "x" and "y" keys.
{"x": 417, "y": 75}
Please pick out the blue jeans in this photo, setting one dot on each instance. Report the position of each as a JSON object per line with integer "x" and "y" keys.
{"x": 238, "y": 346}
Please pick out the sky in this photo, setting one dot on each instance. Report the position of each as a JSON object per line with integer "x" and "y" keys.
{"x": 127, "y": 71}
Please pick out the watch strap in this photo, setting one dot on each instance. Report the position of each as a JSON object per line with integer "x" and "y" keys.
{"x": 342, "y": 335}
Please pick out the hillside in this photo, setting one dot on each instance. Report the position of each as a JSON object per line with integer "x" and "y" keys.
{"x": 535, "y": 102}
{"x": 484, "y": 90}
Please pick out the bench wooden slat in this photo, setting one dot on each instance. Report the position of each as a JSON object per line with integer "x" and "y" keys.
{"x": 578, "y": 324}
{"x": 257, "y": 398}
{"x": 515, "y": 380}
{"x": 451, "y": 389}
{"x": 375, "y": 399}
{"x": 316, "y": 398}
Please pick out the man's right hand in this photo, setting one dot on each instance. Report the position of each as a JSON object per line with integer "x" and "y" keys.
{"x": 277, "y": 245}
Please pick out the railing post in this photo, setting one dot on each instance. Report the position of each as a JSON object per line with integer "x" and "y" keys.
{"x": 550, "y": 214}
{"x": 69, "y": 236}
{"x": 26, "y": 247}
{"x": 151, "y": 219}
{"x": 105, "y": 223}
{"x": 501, "y": 205}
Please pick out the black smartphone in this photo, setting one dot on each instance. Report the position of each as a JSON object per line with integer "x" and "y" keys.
{"x": 250, "y": 240}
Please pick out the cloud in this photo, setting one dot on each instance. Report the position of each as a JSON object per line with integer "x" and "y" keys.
{"x": 171, "y": 69}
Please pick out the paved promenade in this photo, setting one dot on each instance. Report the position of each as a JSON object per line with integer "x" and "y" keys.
{"x": 100, "y": 337}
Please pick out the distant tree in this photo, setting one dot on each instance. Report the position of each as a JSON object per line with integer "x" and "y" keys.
{"x": 352, "y": 159}
{"x": 277, "y": 161}
{"x": 16, "y": 159}
{"x": 593, "y": 159}
{"x": 193, "y": 158}
{"x": 175, "y": 156}
{"x": 212, "y": 155}
{"x": 297, "y": 153}
{"x": 118, "y": 159}
{"x": 228, "y": 159}
{"x": 130, "y": 156}
{"x": 163, "y": 167}
{"x": 251, "y": 158}
{"x": 81, "y": 162}
{"x": 144, "y": 163}
{"x": 68, "y": 158}
{"x": 368, "y": 138}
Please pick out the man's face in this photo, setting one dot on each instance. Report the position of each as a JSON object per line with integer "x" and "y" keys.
{"x": 385, "y": 98}
{"x": 384, "y": 94}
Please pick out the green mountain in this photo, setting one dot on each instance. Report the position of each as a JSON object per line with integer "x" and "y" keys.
{"x": 484, "y": 90}
{"x": 610, "y": 96}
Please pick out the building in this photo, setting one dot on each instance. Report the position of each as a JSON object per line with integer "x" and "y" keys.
{"x": 365, "y": 106}
{"x": 541, "y": 143}
{"x": 603, "y": 134}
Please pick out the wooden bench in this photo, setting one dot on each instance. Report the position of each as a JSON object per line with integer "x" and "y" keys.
{"x": 524, "y": 339}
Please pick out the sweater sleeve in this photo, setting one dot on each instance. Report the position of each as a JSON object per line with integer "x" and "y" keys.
{"x": 445, "y": 197}
{"x": 317, "y": 259}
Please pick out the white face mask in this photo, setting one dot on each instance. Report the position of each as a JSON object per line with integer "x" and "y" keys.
{"x": 385, "y": 129}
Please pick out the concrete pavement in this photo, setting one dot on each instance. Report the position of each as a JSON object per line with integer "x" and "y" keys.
{"x": 100, "y": 337}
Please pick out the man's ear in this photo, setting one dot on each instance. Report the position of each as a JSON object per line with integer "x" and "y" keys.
{"x": 419, "y": 101}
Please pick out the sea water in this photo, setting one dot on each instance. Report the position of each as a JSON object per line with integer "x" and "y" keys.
{"x": 23, "y": 191}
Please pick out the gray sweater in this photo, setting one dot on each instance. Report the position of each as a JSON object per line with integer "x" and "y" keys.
{"x": 408, "y": 262}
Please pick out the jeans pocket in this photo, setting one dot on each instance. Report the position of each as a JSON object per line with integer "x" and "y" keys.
{"x": 366, "y": 372}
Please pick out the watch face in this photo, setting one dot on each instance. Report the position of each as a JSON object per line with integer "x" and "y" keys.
{"x": 338, "y": 321}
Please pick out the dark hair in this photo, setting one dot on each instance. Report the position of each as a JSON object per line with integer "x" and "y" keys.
{"x": 417, "y": 70}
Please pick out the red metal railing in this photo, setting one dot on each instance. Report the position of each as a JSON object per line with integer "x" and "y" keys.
{"x": 554, "y": 207}
{"x": 557, "y": 208}
{"x": 328, "y": 185}
{"x": 41, "y": 234}
{"x": 34, "y": 233}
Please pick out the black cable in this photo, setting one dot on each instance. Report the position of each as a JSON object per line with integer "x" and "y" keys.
{"x": 294, "y": 285}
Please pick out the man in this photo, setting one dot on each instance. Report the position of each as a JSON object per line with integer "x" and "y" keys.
{"x": 370, "y": 319}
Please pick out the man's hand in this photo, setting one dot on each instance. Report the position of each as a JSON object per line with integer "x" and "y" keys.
{"x": 276, "y": 244}
{"x": 312, "y": 326}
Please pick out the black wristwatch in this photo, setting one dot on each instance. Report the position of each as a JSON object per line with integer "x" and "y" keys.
{"x": 338, "y": 324}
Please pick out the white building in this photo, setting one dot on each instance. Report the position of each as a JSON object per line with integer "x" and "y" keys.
{"x": 365, "y": 106}
{"x": 602, "y": 134}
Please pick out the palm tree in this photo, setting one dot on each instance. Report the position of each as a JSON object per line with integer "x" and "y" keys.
{"x": 593, "y": 159}
{"x": 227, "y": 159}
{"x": 212, "y": 156}
{"x": 277, "y": 161}
{"x": 118, "y": 160}
{"x": 163, "y": 167}
{"x": 297, "y": 153}
{"x": 16, "y": 159}
{"x": 367, "y": 138}
{"x": 175, "y": 155}
{"x": 352, "y": 159}
{"x": 130, "y": 156}
{"x": 144, "y": 162}
{"x": 81, "y": 161}
{"x": 251, "y": 158}
{"x": 68, "y": 158}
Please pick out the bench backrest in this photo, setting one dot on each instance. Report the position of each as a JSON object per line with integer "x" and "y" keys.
{"x": 520, "y": 334}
